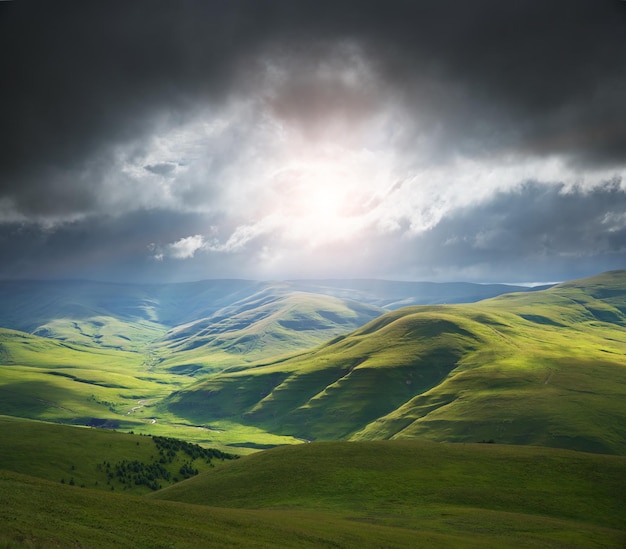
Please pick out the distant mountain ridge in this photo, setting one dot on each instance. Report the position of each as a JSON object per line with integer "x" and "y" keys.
{"x": 232, "y": 316}
{"x": 393, "y": 295}
{"x": 25, "y": 304}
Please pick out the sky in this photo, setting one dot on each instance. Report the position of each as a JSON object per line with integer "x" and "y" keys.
{"x": 165, "y": 141}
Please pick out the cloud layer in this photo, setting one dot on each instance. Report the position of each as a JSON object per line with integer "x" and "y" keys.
{"x": 266, "y": 138}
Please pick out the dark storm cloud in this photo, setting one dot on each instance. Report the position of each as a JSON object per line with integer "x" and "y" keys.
{"x": 81, "y": 77}
{"x": 554, "y": 232}
{"x": 95, "y": 164}
{"x": 99, "y": 248}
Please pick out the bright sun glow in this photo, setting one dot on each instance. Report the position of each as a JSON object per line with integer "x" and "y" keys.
{"x": 318, "y": 199}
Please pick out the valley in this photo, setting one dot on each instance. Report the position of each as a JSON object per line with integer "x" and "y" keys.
{"x": 84, "y": 353}
{"x": 477, "y": 423}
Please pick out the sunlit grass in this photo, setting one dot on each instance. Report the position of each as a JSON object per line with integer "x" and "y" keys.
{"x": 531, "y": 368}
{"x": 539, "y": 368}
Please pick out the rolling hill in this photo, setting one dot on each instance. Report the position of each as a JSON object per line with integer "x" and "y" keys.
{"x": 269, "y": 323}
{"x": 412, "y": 391}
{"x": 230, "y": 320}
{"x": 27, "y": 302}
{"x": 65, "y": 486}
{"x": 541, "y": 368}
{"x": 105, "y": 354}
{"x": 473, "y": 489}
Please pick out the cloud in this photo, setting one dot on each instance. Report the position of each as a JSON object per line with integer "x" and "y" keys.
{"x": 185, "y": 248}
{"x": 557, "y": 232}
{"x": 313, "y": 136}
{"x": 515, "y": 78}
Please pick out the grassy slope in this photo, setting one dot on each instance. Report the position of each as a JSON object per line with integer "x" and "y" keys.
{"x": 55, "y": 381}
{"x": 46, "y": 379}
{"x": 541, "y": 368}
{"x": 61, "y": 453}
{"x": 266, "y": 324}
{"x": 527, "y": 495}
{"x": 103, "y": 332}
{"x": 554, "y": 374}
{"x": 340, "y": 494}
{"x": 39, "y": 514}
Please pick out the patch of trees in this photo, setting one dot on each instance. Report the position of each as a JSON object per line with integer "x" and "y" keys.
{"x": 187, "y": 470}
{"x": 137, "y": 473}
{"x": 168, "y": 448}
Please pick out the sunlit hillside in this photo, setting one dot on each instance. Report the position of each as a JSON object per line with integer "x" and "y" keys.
{"x": 542, "y": 368}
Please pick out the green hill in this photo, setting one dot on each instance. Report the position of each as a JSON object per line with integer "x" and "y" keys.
{"x": 69, "y": 383}
{"x": 192, "y": 327}
{"x": 541, "y": 368}
{"x": 222, "y": 314}
{"x": 469, "y": 490}
{"x": 99, "y": 459}
{"x": 267, "y": 324}
{"x": 47, "y": 379}
{"x": 38, "y": 514}
{"x": 338, "y": 494}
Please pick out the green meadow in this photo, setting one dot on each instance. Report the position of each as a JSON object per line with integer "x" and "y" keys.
{"x": 491, "y": 424}
{"x": 337, "y": 494}
{"x": 105, "y": 355}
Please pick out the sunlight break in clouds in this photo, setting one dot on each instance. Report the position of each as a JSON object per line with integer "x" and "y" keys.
{"x": 319, "y": 156}
{"x": 347, "y": 138}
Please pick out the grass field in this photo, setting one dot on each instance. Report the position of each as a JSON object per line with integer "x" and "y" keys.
{"x": 386, "y": 479}
{"x": 336, "y": 494}
{"x": 531, "y": 370}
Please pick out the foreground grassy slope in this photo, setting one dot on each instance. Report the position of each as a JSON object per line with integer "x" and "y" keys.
{"x": 95, "y": 458}
{"x": 35, "y": 513}
{"x": 339, "y": 494}
{"x": 523, "y": 493}
{"x": 541, "y": 368}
